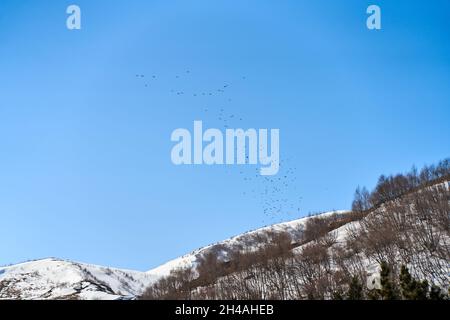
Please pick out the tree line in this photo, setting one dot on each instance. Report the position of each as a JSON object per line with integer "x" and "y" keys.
{"x": 394, "y": 186}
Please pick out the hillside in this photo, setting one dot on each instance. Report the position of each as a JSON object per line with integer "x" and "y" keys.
{"x": 247, "y": 241}
{"x": 393, "y": 244}
{"x": 407, "y": 236}
{"x": 61, "y": 279}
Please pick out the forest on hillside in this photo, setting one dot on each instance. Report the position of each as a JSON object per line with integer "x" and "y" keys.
{"x": 393, "y": 244}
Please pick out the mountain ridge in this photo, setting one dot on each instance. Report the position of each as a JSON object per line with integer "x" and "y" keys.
{"x": 56, "y": 278}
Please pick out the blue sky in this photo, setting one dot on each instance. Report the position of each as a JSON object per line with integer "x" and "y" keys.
{"x": 85, "y": 170}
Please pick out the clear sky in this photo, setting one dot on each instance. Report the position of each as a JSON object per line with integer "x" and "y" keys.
{"x": 85, "y": 169}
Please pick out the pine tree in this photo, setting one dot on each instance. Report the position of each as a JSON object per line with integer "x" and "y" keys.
{"x": 421, "y": 290}
{"x": 355, "y": 290}
{"x": 412, "y": 289}
{"x": 436, "y": 293}
{"x": 407, "y": 283}
{"x": 388, "y": 289}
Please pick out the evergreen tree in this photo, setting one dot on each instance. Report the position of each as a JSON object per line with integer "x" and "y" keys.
{"x": 355, "y": 290}
{"x": 412, "y": 289}
{"x": 436, "y": 293}
{"x": 388, "y": 289}
{"x": 421, "y": 292}
{"x": 407, "y": 283}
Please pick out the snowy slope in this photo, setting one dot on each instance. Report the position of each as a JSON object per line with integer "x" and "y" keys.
{"x": 60, "y": 279}
{"x": 192, "y": 259}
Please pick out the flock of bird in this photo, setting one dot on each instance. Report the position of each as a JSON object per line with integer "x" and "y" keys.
{"x": 276, "y": 194}
{"x": 146, "y": 82}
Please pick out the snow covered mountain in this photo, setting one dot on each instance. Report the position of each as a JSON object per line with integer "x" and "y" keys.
{"x": 403, "y": 222}
{"x": 59, "y": 279}
{"x": 54, "y": 278}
